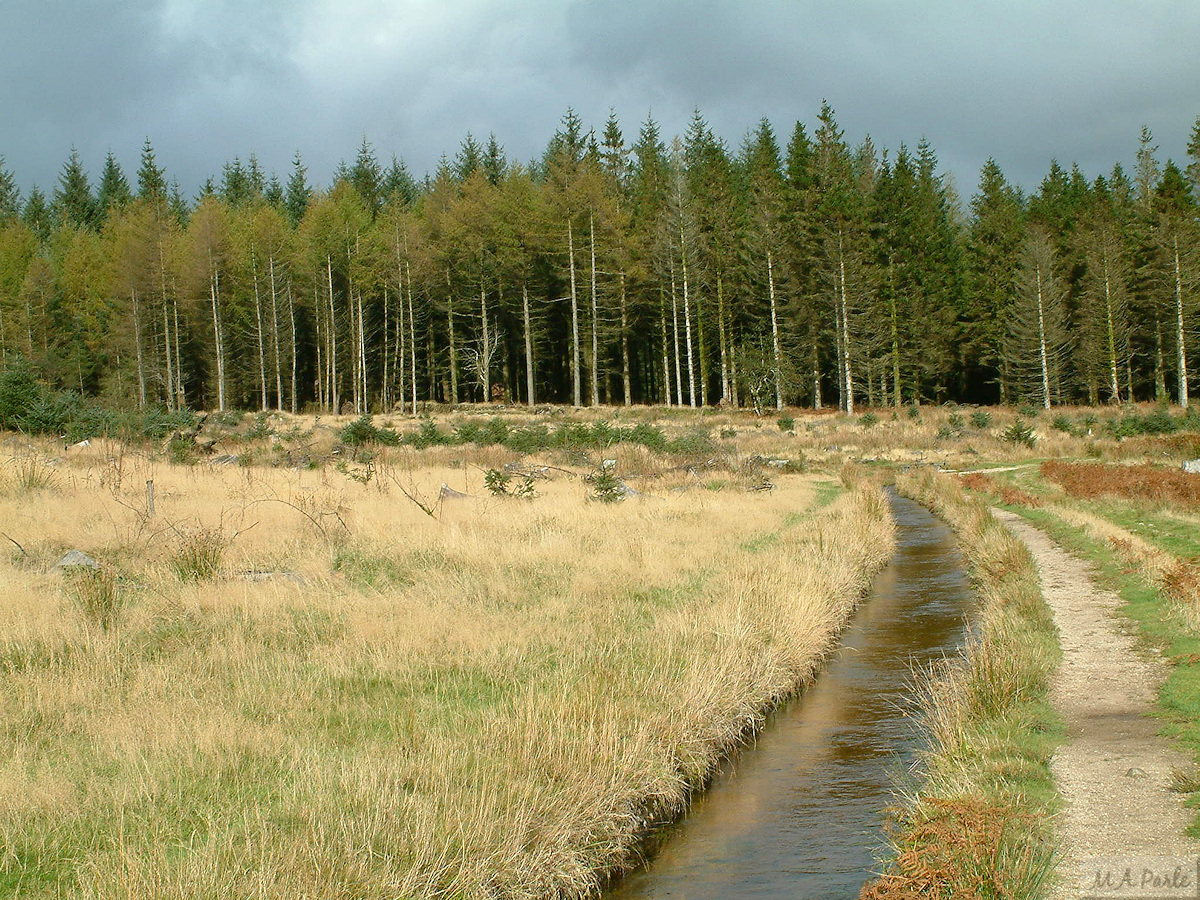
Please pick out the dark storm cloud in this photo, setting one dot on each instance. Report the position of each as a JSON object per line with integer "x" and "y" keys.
{"x": 205, "y": 80}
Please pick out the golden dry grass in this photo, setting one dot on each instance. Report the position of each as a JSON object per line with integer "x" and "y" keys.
{"x": 496, "y": 701}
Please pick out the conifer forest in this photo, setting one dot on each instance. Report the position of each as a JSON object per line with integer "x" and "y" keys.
{"x": 790, "y": 269}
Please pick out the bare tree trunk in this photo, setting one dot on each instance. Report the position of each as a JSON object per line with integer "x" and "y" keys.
{"x": 849, "y": 400}
{"x": 485, "y": 356}
{"x": 595, "y": 373}
{"x": 1180, "y": 339}
{"x": 776, "y": 354}
{"x": 385, "y": 387}
{"x": 180, "y": 397}
{"x": 137, "y": 343}
{"x": 576, "y": 391}
{"x": 723, "y": 340}
{"x": 275, "y": 334}
{"x": 262, "y": 342}
{"x": 1160, "y": 365}
{"x": 334, "y": 398}
{"x": 666, "y": 353}
{"x": 675, "y": 333}
{"x": 1111, "y": 334}
{"x": 292, "y": 316}
{"x": 896, "y": 392}
{"x": 687, "y": 322}
{"x": 412, "y": 336}
{"x": 170, "y": 386}
{"x": 1042, "y": 349}
{"x": 816, "y": 377}
{"x": 626, "y": 378}
{"x": 214, "y": 288}
{"x": 365, "y": 405}
{"x": 529, "y": 380}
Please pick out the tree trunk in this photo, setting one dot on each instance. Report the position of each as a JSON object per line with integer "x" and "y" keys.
{"x": 530, "y": 394}
{"x": 776, "y": 354}
{"x": 675, "y": 333}
{"x": 666, "y": 353}
{"x": 412, "y": 337}
{"x": 170, "y": 387}
{"x": 275, "y": 334}
{"x": 334, "y": 398}
{"x": 1042, "y": 348}
{"x": 576, "y": 390}
{"x": 137, "y": 343}
{"x": 262, "y": 341}
{"x": 292, "y": 317}
{"x": 595, "y": 373}
{"x": 1180, "y": 335}
{"x": 364, "y": 405}
{"x": 485, "y": 354}
{"x": 1114, "y": 386}
{"x": 214, "y": 287}
{"x": 687, "y": 322}
{"x": 626, "y": 378}
{"x": 849, "y": 387}
{"x": 723, "y": 340}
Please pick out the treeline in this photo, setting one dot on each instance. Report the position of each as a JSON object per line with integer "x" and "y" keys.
{"x": 686, "y": 273}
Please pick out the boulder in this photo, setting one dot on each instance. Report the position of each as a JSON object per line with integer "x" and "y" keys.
{"x": 1192, "y": 467}
{"x": 75, "y": 559}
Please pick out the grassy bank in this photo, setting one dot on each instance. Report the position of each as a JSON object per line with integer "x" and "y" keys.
{"x": 296, "y": 683}
{"x": 977, "y": 823}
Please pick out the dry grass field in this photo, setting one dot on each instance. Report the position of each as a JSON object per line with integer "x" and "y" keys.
{"x": 293, "y": 682}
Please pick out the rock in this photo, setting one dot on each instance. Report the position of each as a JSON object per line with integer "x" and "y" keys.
{"x": 86, "y": 442}
{"x": 1192, "y": 467}
{"x": 1135, "y": 772}
{"x": 225, "y": 459}
{"x": 294, "y": 577}
{"x": 449, "y": 493}
{"x": 75, "y": 559}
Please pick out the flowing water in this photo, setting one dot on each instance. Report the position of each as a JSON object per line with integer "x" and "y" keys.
{"x": 799, "y": 813}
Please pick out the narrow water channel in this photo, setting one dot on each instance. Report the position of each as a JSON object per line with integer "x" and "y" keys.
{"x": 798, "y": 814}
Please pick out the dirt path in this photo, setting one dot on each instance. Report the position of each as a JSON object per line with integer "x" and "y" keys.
{"x": 1114, "y": 770}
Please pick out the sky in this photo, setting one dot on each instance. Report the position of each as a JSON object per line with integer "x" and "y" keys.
{"x": 208, "y": 80}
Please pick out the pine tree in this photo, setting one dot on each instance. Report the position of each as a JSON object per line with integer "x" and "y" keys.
{"x": 991, "y": 251}
{"x": 152, "y": 181}
{"x": 1038, "y": 336}
{"x": 36, "y": 213}
{"x": 298, "y": 194}
{"x": 10, "y": 194}
{"x": 113, "y": 192}
{"x": 493, "y": 162}
{"x": 74, "y": 203}
{"x": 366, "y": 177}
{"x": 398, "y": 184}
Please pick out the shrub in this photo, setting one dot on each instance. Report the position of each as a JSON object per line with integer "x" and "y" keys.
{"x": 786, "y": 423}
{"x": 606, "y": 486}
{"x": 496, "y": 481}
{"x": 869, "y": 420}
{"x": 1061, "y": 423}
{"x": 1019, "y": 432}
{"x": 914, "y": 411}
{"x": 981, "y": 419}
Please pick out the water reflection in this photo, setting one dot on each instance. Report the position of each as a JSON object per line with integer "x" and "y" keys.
{"x": 798, "y": 814}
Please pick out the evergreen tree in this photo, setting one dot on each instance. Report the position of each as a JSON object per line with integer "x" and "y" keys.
{"x": 991, "y": 249}
{"x": 74, "y": 203}
{"x": 1038, "y": 335}
{"x": 298, "y": 194}
{"x": 398, "y": 184}
{"x": 152, "y": 181}
{"x": 366, "y": 177}
{"x": 494, "y": 162}
{"x": 10, "y": 194}
{"x": 469, "y": 159}
{"x": 36, "y": 213}
{"x": 113, "y": 191}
